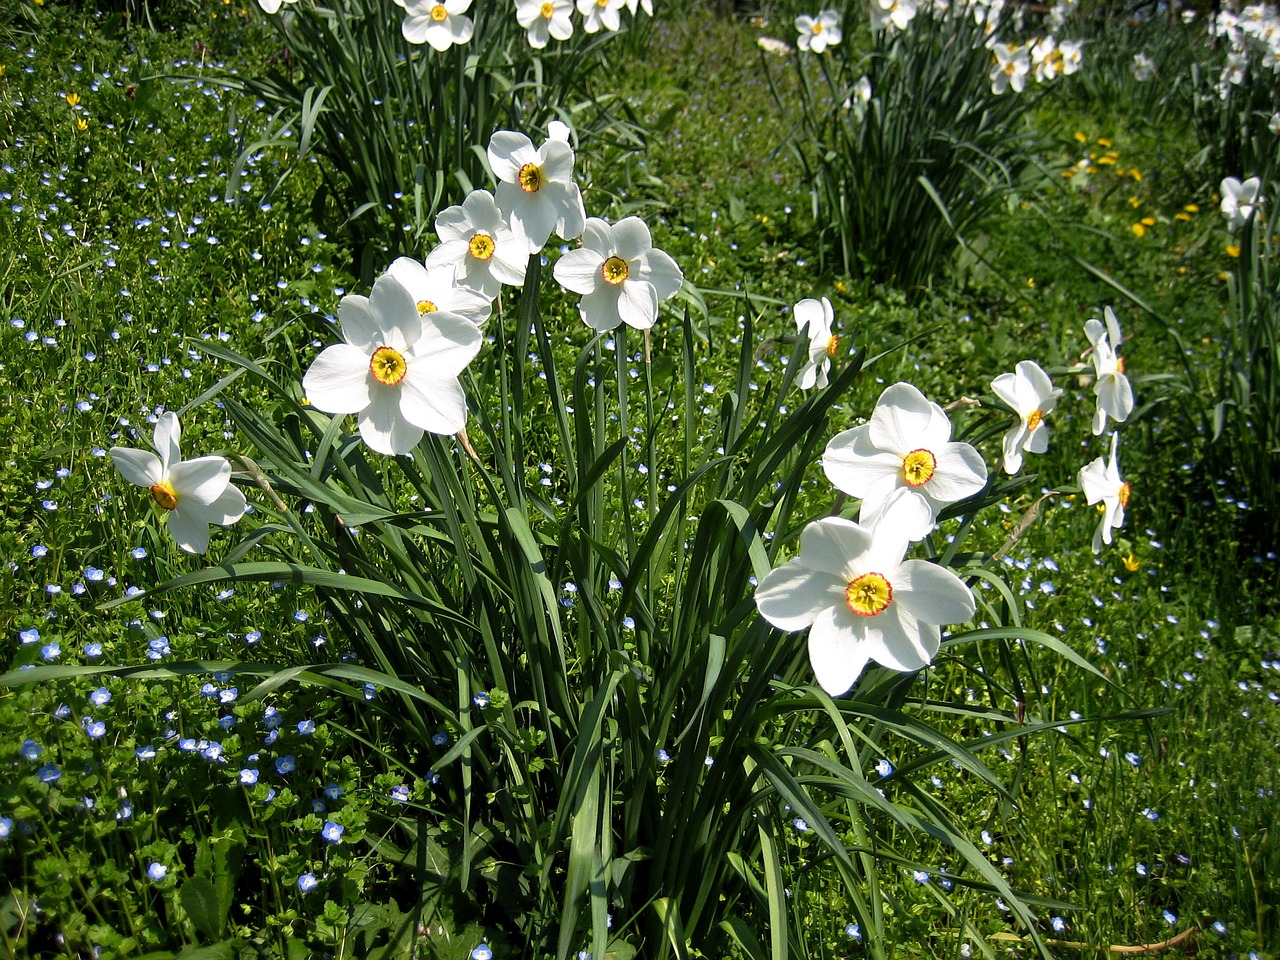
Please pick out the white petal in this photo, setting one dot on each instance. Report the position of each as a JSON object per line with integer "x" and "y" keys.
{"x": 932, "y": 593}
{"x": 631, "y": 238}
{"x": 508, "y": 152}
{"x": 638, "y": 304}
{"x": 395, "y": 311}
{"x": 834, "y": 546}
{"x": 836, "y": 653}
{"x": 339, "y": 380}
{"x": 448, "y": 343}
{"x": 137, "y": 466}
{"x": 383, "y": 427}
{"x": 167, "y": 440}
{"x": 435, "y": 404}
{"x": 792, "y": 596}
{"x": 578, "y": 271}
{"x": 229, "y": 507}
{"x": 905, "y": 420}
{"x": 200, "y": 481}
{"x": 189, "y": 528}
{"x": 854, "y": 464}
{"x": 663, "y": 272}
{"x": 359, "y": 324}
{"x": 960, "y": 472}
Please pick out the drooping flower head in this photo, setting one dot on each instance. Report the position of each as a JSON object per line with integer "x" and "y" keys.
{"x": 906, "y": 445}
{"x": 438, "y": 23}
{"x": 536, "y": 189}
{"x": 1115, "y": 395}
{"x": 823, "y": 343}
{"x": 622, "y": 277}
{"x": 1239, "y": 200}
{"x": 545, "y": 20}
{"x": 1031, "y": 395}
{"x": 478, "y": 242}
{"x": 193, "y": 493}
{"x": 861, "y": 600}
{"x": 818, "y": 33}
{"x": 398, "y": 369}
{"x": 436, "y": 289}
{"x": 601, "y": 15}
{"x": 1101, "y": 483}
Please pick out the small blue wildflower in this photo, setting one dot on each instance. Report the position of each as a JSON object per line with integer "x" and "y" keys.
{"x": 332, "y": 831}
{"x": 800, "y": 824}
{"x": 1170, "y": 918}
{"x": 145, "y": 752}
{"x": 49, "y": 773}
{"x": 93, "y": 649}
{"x": 481, "y": 700}
{"x": 439, "y": 739}
{"x": 306, "y": 727}
{"x": 138, "y": 553}
{"x": 63, "y": 712}
{"x": 370, "y": 691}
{"x": 249, "y": 776}
{"x": 157, "y": 872}
{"x": 94, "y": 728}
{"x": 308, "y": 882}
{"x": 852, "y": 931}
{"x": 228, "y": 695}
{"x": 1059, "y": 925}
{"x": 227, "y": 722}
{"x": 100, "y": 696}
{"x": 94, "y": 575}
{"x": 920, "y": 876}
{"x": 482, "y": 952}
{"x": 208, "y": 689}
{"x": 39, "y": 550}
{"x": 285, "y": 765}
{"x": 1219, "y": 928}
{"x": 31, "y": 750}
{"x": 400, "y": 793}
{"x": 30, "y": 635}
{"x": 6, "y": 827}
{"x": 884, "y": 768}
{"x": 333, "y": 791}
{"x": 271, "y": 718}
{"x": 662, "y": 756}
{"x": 301, "y": 616}
{"x": 51, "y": 651}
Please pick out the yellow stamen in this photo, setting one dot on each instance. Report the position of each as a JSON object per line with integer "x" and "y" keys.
{"x": 868, "y": 595}
{"x": 164, "y": 494}
{"x": 1033, "y": 419}
{"x": 481, "y": 246}
{"x": 833, "y": 345}
{"x": 817, "y": 27}
{"x": 1124, "y": 494}
{"x": 425, "y": 307}
{"x": 615, "y": 270}
{"x": 530, "y": 176}
{"x": 388, "y": 366}
{"x": 918, "y": 467}
{"x": 439, "y": 14}
{"x": 1120, "y": 364}
{"x": 548, "y": 10}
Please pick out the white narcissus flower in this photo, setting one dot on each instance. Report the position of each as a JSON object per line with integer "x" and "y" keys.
{"x": 861, "y": 600}
{"x": 818, "y": 33}
{"x": 1144, "y": 68}
{"x": 439, "y": 23}
{"x": 536, "y": 189}
{"x": 892, "y": 13}
{"x": 398, "y": 370}
{"x": 1072, "y": 52}
{"x": 622, "y": 277}
{"x": 823, "y": 343}
{"x": 906, "y": 445}
{"x": 484, "y": 249}
{"x": 1239, "y": 200}
{"x": 601, "y": 14}
{"x": 1031, "y": 395}
{"x": 1274, "y": 124}
{"x": 1115, "y": 395}
{"x": 1011, "y": 67}
{"x": 193, "y": 493}
{"x": 437, "y": 289}
{"x": 646, "y": 5}
{"x": 545, "y": 20}
{"x": 271, "y": 6}
{"x": 1101, "y": 483}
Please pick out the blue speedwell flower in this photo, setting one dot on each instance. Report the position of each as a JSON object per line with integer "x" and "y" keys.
{"x": 308, "y": 882}
{"x": 332, "y": 831}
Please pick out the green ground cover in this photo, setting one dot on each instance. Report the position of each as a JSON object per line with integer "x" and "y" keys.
{"x": 181, "y": 808}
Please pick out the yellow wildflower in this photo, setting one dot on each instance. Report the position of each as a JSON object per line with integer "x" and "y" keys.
{"x": 1233, "y": 250}
{"x": 1139, "y": 230}
{"x": 1132, "y": 563}
{"x": 73, "y": 98}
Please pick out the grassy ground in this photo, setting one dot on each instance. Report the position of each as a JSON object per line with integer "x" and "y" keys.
{"x": 126, "y": 264}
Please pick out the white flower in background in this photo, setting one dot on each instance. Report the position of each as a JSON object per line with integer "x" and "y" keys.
{"x": 1011, "y": 68}
{"x": 483, "y": 248}
{"x": 193, "y": 493}
{"x": 1239, "y": 200}
{"x": 1031, "y": 395}
{"x": 438, "y": 24}
{"x": 271, "y": 6}
{"x": 1144, "y": 67}
{"x": 1274, "y": 124}
{"x": 823, "y": 343}
{"x": 1237, "y": 66}
{"x": 1101, "y": 483}
{"x": 622, "y": 277}
{"x": 892, "y": 14}
{"x": 1115, "y": 395}
{"x": 601, "y": 14}
{"x": 987, "y": 16}
{"x": 646, "y": 5}
{"x": 1072, "y": 53}
{"x": 862, "y": 91}
{"x": 778, "y": 48}
{"x": 398, "y": 369}
{"x": 861, "y": 600}
{"x": 1045, "y": 59}
{"x": 536, "y": 189}
{"x": 905, "y": 445}
{"x": 558, "y": 130}
{"x": 818, "y": 33}
{"x": 545, "y": 20}
{"x": 436, "y": 289}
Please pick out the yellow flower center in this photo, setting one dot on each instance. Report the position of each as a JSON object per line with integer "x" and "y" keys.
{"x": 615, "y": 270}
{"x": 918, "y": 467}
{"x": 164, "y": 494}
{"x": 438, "y": 13}
{"x": 833, "y": 345}
{"x": 602, "y": 3}
{"x": 530, "y": 175}
{"x": 868, "y": 595}
{"x": 1119, "y": 364}
{"x": 548, "y": 10}
{"x": 481, "y": 246}
{"x": 425, "y": 307}
{"x": 1033, "y": 419}
{"x": 388, "y": 366}
{"x": 1124, "y": 494}
{"x": 817, "y": 27}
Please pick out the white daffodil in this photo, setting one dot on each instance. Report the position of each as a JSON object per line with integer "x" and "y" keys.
{"x": 398, "y": 370}
{"x": 438, "y": 23}
{"x": 601, "y": 14}
{"x": 193, "y": 493}
{"x": 1144, "y": 68}
{"x": 1115, "y": 395}
{"x": 1010, "y": 70}
{"x": 620, "y": 274}
{"x": 536, "y": 189}
{"x": 1045, "y": 59}
{"x": 892, "y": 14}
{"x": 437, "y": 289}
{"x": 1239, "y": 200}
{"x": 646, "y": 5}
{"x": 1031, "y": 395}
{"x": 1072, "y": 52}
{"x": 1101, "y": 483}
{"x": 906, "y": 444}
{"x": 861, "y": 600}
{"x": 272, "y": 6}
{"x": 545, "y": 20}
{"x": 823, "y": 343}
{"x": 818, "y": 33}
{"x": 484, "y": 249}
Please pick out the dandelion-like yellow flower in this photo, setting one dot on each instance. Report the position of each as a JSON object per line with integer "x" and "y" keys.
{"x": 1139, "y": 230}
{"x": 1131, "y": 563}
{"x": 73, "y": 99}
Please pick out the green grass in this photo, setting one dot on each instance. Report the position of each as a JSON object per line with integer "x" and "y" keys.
{"x": 114, "y": 295}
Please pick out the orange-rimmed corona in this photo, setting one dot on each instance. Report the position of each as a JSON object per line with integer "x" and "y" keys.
{"x": 482, "y": 246}
{"x": 164, "y": 494}
{"x": 918, "y": 467}
{"x": 614, "y": 270}
{"x": 869, "y": 594}
{"x": 388, "y": 366}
